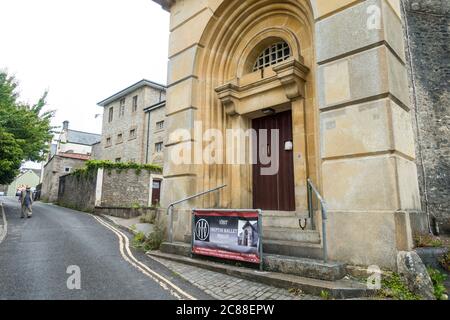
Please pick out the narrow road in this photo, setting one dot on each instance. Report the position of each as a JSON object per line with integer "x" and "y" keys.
{"x": 38, "y": 253}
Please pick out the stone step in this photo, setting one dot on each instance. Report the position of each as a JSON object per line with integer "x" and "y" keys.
{"x": 293, "y": 249}
{"x": 291, "y": 234}
{"x": 308, "y": 268}
{"x": 285, "y": 222}
{"x": 339, "y": 289}
{"x": 178, "y": 248}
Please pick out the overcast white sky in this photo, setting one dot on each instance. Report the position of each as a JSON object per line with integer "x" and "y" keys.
{"x": 82, "y": 51}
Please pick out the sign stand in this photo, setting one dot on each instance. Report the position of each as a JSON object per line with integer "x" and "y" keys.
{"x": 225, "y": 241}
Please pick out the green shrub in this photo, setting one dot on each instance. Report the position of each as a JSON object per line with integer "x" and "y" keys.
{"x": 135, "y": 206}
{"x": 93, "y": 165}
{"x": 138, "y": 240}
{"x": 148, "y": 218}
{"x": 438, "y": 279}
{"x": 395, "y": 288}
{"x": 427, "y": 241}
{"x": 445, "y": 261}
{"x": 325, "y": 295}
{"x": 152, "y": 242}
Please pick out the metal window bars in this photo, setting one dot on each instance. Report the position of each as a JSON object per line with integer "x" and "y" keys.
{"x": 274, "y": 54}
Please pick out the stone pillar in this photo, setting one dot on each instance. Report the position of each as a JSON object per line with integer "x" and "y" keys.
{"x": 369, "y": 177}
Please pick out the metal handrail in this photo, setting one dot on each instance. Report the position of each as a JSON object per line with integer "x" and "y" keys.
{"x": 323, "y": 208}
{"x": 173, "y": 204}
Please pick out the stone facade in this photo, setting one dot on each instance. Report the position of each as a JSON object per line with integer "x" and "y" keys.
{"x": 110, "y": 191}
{"x": 75, "y": 142}
{"x": 126, "y": 125}
{"x": 157, "y": 138}
{"x": 97, "y": 151}
{"x": 428, "y": 51}
{"x": 78, "y": 192}
{"x": 126, "y": 189}
{"x": 56, "y": 167}
{"x": 347, "y": 88}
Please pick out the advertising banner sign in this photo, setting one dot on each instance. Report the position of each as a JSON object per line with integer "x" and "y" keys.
{"x": 228, "y": 234}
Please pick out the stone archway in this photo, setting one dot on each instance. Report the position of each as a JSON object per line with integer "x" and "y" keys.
{"x": 229, "y": 95}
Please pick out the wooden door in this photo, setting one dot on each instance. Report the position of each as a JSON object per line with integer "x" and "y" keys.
{"x": 275, "y": 192}
{"x": 156, "y": 192}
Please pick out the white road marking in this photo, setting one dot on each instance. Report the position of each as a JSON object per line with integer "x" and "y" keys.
{"x": 5, "y": 225}
{"x": 163, "y": 282}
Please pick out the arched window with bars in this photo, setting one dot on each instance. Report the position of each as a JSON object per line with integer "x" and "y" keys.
{"x": 273, "y": 54}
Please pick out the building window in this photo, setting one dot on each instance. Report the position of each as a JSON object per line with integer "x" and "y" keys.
{"x": 118, "y": 160}
{"x": 111, "y": 114}
{"x": 274, "y": 54}
{"x": 160, "y": 125}
{"x": 67, "y": 169}
{"x": 133, "y": 134}
{"x": 135, "y": 103}
{"x": 120, "y": 138}
{"x": 158, "y": 147}
{"x": 122, "y": 108}
{"x": 108, "y": 142}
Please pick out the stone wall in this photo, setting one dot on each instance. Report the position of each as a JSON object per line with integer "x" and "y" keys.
{"x": 428, "y": 53}
{"x": 116, "y": 193}
{"x": 53, "y": 170}
{"x": 78, "y": 192}
{"x": 125, "y": 189}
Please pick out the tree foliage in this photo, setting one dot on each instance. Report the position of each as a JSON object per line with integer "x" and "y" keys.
{"x": 25, "y": 131}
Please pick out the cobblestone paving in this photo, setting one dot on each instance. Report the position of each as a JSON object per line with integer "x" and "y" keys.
{"x": 225, "y": 287}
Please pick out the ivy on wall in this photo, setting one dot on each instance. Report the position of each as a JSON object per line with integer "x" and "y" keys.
{"x": 92, "y": 166}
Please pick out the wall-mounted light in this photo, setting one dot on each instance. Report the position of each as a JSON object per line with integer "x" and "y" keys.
{"x": 268, "y": 111}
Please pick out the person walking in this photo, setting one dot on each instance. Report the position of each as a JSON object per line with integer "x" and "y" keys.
{"x": 27, "y": 203}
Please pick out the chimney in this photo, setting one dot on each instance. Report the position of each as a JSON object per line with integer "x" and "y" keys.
{"x": 66, "y": 125}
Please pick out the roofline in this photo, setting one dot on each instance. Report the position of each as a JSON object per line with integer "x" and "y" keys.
{"x": 95, "y": 134}
{"x": 130, "y": 89}
{"x": 165, "y": 4}
{"x": 155, "y": 106}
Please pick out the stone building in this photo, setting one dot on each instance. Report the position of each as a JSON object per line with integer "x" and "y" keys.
{"x": 133, "y": 124}
{"x": 428, "y": 52}
{"x": 58, "y": 166}
{"x": 72, "y": 150}
{"x": 331, "y": 77}
{"x": 75, "y": 142}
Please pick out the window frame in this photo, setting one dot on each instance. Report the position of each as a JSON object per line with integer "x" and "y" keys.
{"x": 130, "y": 136}
{"x": 271, "y": 55}
{"x": 119, "y": 138}
{"x": 108, "y": 142}
{"x": 160, "y": 125}
{"x": 111, "y": 114}
{"x": 122, "y": 107}
{"x": 135, "y": 103}
{"x": 160, "y": 146}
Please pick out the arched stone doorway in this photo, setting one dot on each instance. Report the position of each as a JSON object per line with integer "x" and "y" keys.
{"x": 232, "y": 94}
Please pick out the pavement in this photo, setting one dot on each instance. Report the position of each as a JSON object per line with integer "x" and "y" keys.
{"x": 225, "y": 287}
{"x": 133, "y": 225}
{"x": 40, "y": 257}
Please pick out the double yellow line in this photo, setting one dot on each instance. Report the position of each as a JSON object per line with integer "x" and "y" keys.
{"x": 124, "y": 247}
